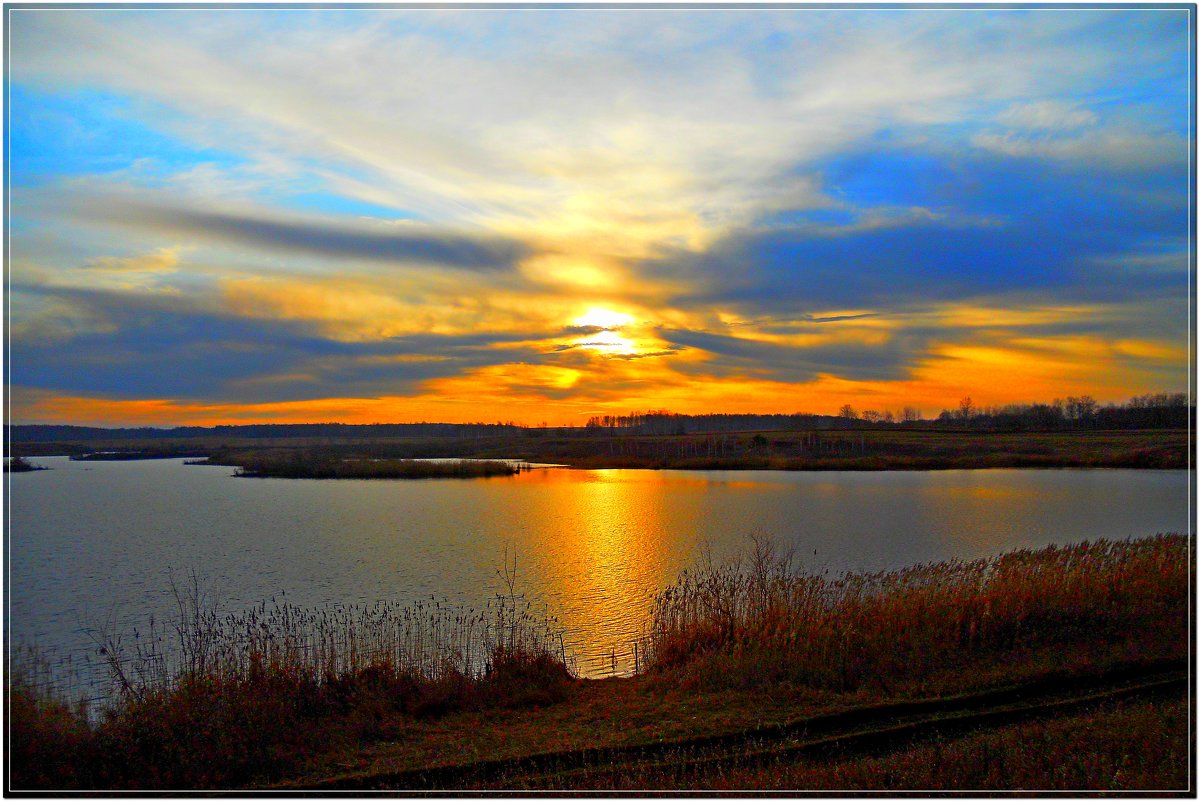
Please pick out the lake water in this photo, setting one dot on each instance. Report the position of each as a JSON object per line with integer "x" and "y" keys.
{"x": 90, "y": 543}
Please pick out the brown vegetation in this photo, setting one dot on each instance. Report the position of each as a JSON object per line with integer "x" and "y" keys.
{"x": 1124, "y": 746}
{"x": 256, "y": 696}
{"x": 280, "y": 692}
{"x": 758, "y": 621}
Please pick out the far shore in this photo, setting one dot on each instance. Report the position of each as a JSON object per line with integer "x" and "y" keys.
{"x": 809, "y": 450}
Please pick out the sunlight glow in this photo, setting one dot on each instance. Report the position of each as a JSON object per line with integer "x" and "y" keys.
{"x": 603, "y": 318}
{"x": 608, "y": 342}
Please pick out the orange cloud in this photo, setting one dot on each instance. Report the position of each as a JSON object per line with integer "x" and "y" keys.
{"x": 581, "y": 381}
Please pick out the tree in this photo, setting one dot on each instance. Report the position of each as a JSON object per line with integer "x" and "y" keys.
{"x": 848, "y": 412}
{"x": 911, "y": 415}
{"x": 1080, "y": 410}
{"x": 965, "y": 408}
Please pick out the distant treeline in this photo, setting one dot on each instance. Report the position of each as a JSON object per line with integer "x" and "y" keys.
{"x": 63, "y": 433}
{"x": 1159, "y": 410}
{"x": 666, "y": 423}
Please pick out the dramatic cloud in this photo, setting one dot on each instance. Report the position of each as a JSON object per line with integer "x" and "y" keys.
{"x": 422, "y": 213}
{"x": 395, "y": 242}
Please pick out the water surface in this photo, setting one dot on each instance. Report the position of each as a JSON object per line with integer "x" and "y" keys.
{"x": 90, "y": 543}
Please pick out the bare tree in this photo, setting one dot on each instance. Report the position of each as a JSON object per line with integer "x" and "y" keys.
{"x": 965, "y": 408}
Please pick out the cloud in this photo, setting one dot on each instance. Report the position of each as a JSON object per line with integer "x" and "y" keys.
{"x": 1018, "y": 230}
{"x": 630, "y": 126}
{"x": 673, "y": 350}
{"x": 162, "y": 260}
{"x": 605, "y": 352}
{"x": 780, "y": 361}
{"x": 401, "y": 202}
{"x": 170, "y": 346}
{"x": 336, "y": 238}
{"x": 1050, "y": 115}
{"x": 1107, "y": 150}
{"x": 588, "y": 329}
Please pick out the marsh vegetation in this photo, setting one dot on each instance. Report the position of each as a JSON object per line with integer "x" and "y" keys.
{"x": 278, "y": 691}
{"x": 307, "y": 463}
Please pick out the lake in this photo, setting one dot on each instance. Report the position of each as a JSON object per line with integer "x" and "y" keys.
{"x": 91, "y": 543}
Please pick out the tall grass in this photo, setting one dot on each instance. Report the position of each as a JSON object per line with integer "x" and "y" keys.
{"x": 428, "y": 639}
{"x": 759, "y": 619}
{"x": 215, "y": 700}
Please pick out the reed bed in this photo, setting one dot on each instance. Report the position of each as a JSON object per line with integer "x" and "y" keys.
{"x": 759, "y": 619}
{"x": 428, "y": 640}
{"x": 218, "y": 700}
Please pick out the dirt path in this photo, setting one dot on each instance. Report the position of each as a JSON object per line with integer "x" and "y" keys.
{"x": 869, "y": 730}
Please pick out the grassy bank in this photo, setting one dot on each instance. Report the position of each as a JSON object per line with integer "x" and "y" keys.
{"x": 730, "y": 648}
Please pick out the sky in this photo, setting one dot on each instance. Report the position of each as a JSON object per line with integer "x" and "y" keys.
{"x": 383, "y": 215}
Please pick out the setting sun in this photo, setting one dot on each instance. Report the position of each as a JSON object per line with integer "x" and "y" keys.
{"x": 603, "y": 318}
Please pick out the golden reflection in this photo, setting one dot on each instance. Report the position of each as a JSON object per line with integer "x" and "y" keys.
{"x": 619, "y": 537}
{"x": 990, "y": 515}
{"x": 617, "y": 543}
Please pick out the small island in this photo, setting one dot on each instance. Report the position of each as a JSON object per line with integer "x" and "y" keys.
{"x": 315, "y": 464}
{"x": 19, "y": 464}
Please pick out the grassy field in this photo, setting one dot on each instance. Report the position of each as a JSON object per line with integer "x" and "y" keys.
{"x": 887, "y": 449}
{"x": 736, "y": 655}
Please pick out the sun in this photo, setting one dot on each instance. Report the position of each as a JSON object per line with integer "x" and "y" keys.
{"x": 607, "y": 339}
{"x": 603, "y": 318}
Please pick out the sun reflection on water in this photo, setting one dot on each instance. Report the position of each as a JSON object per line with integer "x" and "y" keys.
{"x": 612, "y": 555}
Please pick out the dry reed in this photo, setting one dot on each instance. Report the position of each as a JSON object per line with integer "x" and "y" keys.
{"x": 759, "y": 619}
